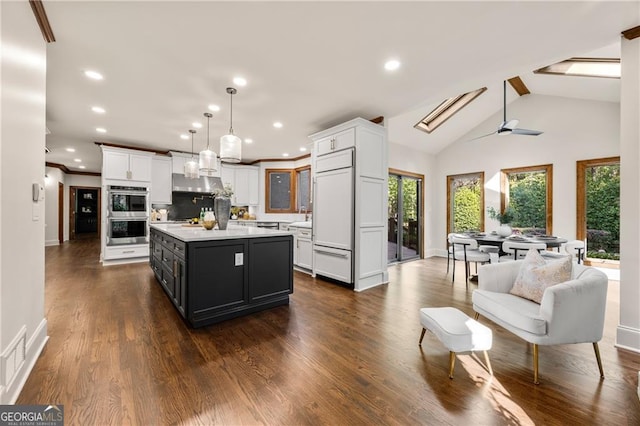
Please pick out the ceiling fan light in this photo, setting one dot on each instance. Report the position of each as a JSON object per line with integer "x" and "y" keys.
{"x": 230, "y": 149}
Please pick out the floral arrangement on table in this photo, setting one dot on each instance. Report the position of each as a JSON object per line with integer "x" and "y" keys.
{"x": 504, "y": 218}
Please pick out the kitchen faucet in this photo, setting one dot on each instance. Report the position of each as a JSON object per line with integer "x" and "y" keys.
{"x": 306, "y": 214}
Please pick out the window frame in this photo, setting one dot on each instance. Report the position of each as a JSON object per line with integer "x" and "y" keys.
{"x": 450, "y": 179}
{"x": 293, "y": 190}
{"x": 504, "y": 187}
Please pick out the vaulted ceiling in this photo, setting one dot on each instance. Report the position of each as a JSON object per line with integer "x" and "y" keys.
{"x": 309, "y": 65}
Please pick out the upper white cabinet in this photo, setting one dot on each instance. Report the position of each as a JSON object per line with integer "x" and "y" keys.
{"x": 126, "y": 165}
{"x": 161, "y": 180}
{"x": 245, "y": 182}
{"x": 336, "y": 142}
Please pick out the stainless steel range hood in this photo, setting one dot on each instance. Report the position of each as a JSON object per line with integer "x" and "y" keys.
{"x": 203, "y": 184}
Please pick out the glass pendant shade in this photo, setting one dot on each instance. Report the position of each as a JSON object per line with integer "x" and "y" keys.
{"x": 191, "y": 169}
{"x": 230, "y": 149}
{"x": 208, "y": 159}
{"x": 230, "y": 145}
{"x": 191, "y": 166}
{"x": 208, "y": 162}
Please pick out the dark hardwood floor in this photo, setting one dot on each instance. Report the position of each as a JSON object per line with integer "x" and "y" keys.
{"x": 119, "y": 354}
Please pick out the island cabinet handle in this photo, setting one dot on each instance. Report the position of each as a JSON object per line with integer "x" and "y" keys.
{"x": 175, "y": 269}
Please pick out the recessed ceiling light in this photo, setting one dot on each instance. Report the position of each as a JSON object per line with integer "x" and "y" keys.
{"x": 196, "y": 125}
{"x": 94, "y": 75}
{"x": 286, "y": 154}
{"x": 240, "y": 81}
{"x": 101, "y": 130}
{"x": 98, "y": 110}
{"x": 277, "y": 125}
{"x": 184, "y": 137}
{"x": 214, "y": 108}
{"x": 71, "y": 150}
{"x": 77, "y": 160}
{"x": 248, "y": 140}
{"x": 392, "y": 65}
{"x": 82, "y": 167}
{"x": 303, "y": 149}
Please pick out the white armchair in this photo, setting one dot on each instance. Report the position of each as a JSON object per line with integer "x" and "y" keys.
{"x": 569, "y": 312}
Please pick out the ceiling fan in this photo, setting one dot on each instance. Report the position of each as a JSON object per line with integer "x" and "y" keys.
{"x": 509, "y": 127}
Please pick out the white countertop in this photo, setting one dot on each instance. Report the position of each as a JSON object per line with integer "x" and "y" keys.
{"x": 189, "y": 234}
{"x": 306, "y": 224}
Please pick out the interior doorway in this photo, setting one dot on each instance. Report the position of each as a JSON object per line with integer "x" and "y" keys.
{"x": 60, "y": 212}
{"x": 405, "y": 216}
{"x": 84, "y": 212}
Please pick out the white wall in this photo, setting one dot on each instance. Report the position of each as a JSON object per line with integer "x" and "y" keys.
{"x": 76, "y": 180}
{"x": 628, "y": 332}
{"x": 23, "y": 328}
{"x": 410, "y": 160}
{"x": 573, "y": 130}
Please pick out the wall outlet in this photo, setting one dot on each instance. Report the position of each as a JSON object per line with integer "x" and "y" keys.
{"x": 239, "y": 259}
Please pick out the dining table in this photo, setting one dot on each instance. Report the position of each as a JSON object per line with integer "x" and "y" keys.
{"x": 492, "y": 239}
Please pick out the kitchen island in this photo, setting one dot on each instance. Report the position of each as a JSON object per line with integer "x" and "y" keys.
{"x": 212, "y": 276}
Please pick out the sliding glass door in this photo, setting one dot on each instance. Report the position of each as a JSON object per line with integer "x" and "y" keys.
{"x": 405, "y": 217}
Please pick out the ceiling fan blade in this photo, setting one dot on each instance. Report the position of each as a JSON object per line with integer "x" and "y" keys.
{"x": 483, "y": 136}
{"x": 526, "y": 132}
{"x": 511, "y": 124}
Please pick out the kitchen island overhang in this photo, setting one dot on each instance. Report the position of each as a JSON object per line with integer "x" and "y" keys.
{"x": 212, "y": 276}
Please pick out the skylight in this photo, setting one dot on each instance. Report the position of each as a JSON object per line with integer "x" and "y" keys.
{"x": 446, "y": 110}
{"x": 585, "y": 67}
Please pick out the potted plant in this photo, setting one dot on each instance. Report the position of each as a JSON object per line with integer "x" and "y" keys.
{"x": 505, "y": 218}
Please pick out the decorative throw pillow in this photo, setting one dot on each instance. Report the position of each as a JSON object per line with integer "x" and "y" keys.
{"x": 536, "y": 275}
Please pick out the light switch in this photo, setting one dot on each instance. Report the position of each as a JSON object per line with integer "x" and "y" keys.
{"x": 239, "y": 259}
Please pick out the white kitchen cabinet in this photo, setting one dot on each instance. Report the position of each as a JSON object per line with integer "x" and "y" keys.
{"x": 161, "y": 168}
{"x": 333, "y": 204}
{"x": 126, "y": 165}
{"x": 303, "y": 248}
{"x": 245, "y": 183}
{"x": 336, "y": 142}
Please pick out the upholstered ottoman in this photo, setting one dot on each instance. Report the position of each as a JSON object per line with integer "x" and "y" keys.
{"x": 457, "y": 332}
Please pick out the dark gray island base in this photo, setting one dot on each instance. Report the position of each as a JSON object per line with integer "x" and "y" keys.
{"x": 212, "y": 276}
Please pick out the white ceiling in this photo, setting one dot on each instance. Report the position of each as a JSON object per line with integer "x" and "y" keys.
{"x": 309, "y": 65}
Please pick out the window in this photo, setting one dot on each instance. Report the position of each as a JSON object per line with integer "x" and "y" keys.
{"x": 598, "y": 207}
{"x": 527, "y": 191}
{"x": 288, "y": 190}
{"x": 446, "y": 110}
{"x": 465, "y": 202}
{"x": 585, "y": 67}
{"x": 405, "y": 216}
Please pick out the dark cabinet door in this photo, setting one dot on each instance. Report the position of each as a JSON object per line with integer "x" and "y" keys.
{"x": 270, "y": 267}
{"x": 180, "y": 285}
{"x": 217, "y": 277}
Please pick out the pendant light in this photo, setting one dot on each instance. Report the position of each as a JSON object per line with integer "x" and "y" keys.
{"x": 208, "y": 158}
{"x": 230, "y": 145}
{"x": 191, "y": 166}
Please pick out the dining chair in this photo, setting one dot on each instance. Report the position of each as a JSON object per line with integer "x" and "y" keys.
{"x": 466, "y": 249}
{"x": 518, "y": 249}
{"x": 576, "y": 249}
{"x": 449, "y": 249}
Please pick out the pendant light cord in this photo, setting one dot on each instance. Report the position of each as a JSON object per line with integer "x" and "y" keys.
{"x": 231, "y": 115}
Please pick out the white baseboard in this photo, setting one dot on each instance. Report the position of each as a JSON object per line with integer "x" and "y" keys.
{"x": 48, "y": 243}
{"x": 18, "y": 360}
{"x": 436, "y": 252}
{"x": 628, "y": 338}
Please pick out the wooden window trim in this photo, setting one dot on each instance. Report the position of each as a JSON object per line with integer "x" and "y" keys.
{"x": 504, "y": 186}
{"x": 297, "y": 171}
{"x": 581, "y": 191}
{"x": 450, "y": 179}
{"x": 292, "y": 190}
